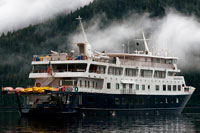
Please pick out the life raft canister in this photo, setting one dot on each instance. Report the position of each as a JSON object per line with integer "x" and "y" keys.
{"x": 76, "y": 89}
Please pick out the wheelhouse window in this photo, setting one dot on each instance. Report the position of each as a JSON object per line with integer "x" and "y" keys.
{"x": 171, "y": 74}
{"x": 131, "y": 72}
{"x": 69, "y": 82}
{"x": 99, "y": 69}
{"x": 168, "y": 61}
{"x": 69, "y": 67}
{"x": 159, "y": 74}
{"x": 40, "y": 68}
{"x": 146, "y": 73}
{"x": 115, "y": 71}
{"x": 157, "y": 60}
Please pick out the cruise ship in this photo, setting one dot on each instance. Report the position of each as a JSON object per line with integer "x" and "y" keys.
{"x": 95, "y": 83}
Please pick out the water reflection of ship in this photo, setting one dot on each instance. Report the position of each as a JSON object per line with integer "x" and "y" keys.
{"x": 169, "y": 123}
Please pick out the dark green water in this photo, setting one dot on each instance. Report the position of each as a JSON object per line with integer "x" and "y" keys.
{"x": 10, "y": 121}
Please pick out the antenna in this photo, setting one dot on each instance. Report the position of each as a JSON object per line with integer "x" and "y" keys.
{"x": 84, "y": 35}
{"x": 128, "y": 48}
{"x": 145, "y": 43}
{"x": 123, "y": 45}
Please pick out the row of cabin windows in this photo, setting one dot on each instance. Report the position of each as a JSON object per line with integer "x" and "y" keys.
{"x": 128, "y": 71}
{"x": 169, "y": 87}
{"x": 172, "y": 87}
{"x": 141, "y": 100}
{"x": 153, "y": 60}
{"x": 157, "y": 87}
{"x": 100, "y": 70}
{"x": 88, "y": 84}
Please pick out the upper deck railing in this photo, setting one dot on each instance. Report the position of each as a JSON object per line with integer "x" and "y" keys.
{"x": 126, "y": 62}
{"x": 57, "y": 57}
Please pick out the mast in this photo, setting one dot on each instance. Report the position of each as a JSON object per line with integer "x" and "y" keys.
{"x": 87, "y": 47}
{"x": 83, "y": 30}
{"x": 145, "y": 43}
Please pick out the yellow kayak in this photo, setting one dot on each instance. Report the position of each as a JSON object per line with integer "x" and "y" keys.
{"x": 39, "y": 89}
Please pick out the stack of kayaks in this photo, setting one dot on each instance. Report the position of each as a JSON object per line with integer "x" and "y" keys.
{"x": 28, "y": 90}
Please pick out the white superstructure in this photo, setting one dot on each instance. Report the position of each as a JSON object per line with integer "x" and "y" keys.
{"x": 113, "y": 73}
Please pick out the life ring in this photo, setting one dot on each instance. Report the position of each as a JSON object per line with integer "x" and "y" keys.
{"x": 76, "y": 89}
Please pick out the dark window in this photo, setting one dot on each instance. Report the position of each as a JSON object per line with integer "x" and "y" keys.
{"x": 88, "y": 84}
{"x": 108, "y": 86}
{"x": 148, "y": 86}
{"x": 164, "y": 87}
{"x": 137, "y": 86}
{"x": 85, "y": 83}
{"x": 124, "y": 85}
{"x": 93, "y": 84}
{"x": 117, "y": 86}
{"x": 179, "y": 87}
{"x": 169, "y": 87}
{"x": 130, "y": 86}
{"x": 157, "y": 87}
{"x": 143, "y": 87}
{"x": 174, "y": 87}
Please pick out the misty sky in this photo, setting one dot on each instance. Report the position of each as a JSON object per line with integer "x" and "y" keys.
{"x": 15, "y": 14}
{"x": 175, "y": 34}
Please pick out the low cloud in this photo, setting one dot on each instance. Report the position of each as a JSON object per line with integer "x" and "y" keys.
{"x": 15, "y": 14}
{"x": 176, "y": 32}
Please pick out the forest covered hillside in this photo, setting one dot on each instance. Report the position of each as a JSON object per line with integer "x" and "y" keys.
{"x": 18, "y": 47}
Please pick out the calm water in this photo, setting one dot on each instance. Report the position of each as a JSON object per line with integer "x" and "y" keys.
{"x": 10, "y": 121}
